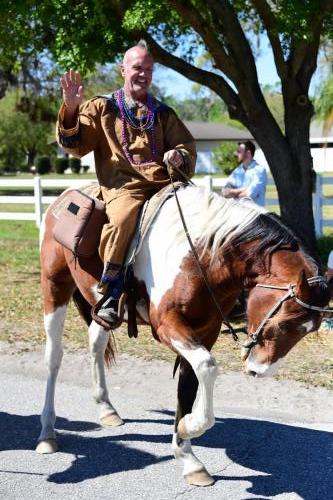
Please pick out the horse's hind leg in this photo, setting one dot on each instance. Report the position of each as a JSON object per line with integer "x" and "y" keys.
{"x": 54, "y": 318}
{"x": 98, "y": 342}
{"x": 193, "y": 470}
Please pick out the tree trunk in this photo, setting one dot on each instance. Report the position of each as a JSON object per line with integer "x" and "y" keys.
{"x": 295, "y": 192}
{"x": 31, "y": 157}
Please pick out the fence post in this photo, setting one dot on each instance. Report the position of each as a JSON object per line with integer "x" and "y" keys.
{"x": 317, "y": 196}
{"x": 38, "y": 200}
{"x": 208, "y": 182}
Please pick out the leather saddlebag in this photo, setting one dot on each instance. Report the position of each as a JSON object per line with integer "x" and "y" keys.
{"x": 80, "y": 223}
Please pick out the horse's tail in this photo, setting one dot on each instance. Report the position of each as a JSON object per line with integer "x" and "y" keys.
{"x": 84, "y": 309}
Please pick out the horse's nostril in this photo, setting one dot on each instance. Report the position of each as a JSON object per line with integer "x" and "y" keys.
{"x": 251, "y": 372}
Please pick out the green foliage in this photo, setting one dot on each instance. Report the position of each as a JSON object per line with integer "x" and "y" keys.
{"x": 61, "y": 164}
{"x": 43, "y": 165}
{"x": 75, "y": 165}
{"x": 224, "y": 157}
{"x": 324, "y": 103}
{"x": 325, "y": 246}
{"x": 21, "y": 140}
{"x": 26, "y": 129}
{"x": 274, "y": 100}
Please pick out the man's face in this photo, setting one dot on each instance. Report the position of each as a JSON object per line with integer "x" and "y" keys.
{"x": 242, "y": 153}
{"x": 137, "y": 70}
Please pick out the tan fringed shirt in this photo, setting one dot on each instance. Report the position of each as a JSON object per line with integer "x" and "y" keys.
{"x": 99, "y": 129}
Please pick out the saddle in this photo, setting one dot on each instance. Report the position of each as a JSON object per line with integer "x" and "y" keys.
{"x": 80, "y": 217}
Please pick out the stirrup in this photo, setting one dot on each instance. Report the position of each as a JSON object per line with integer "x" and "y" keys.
{"x": 109, "y": 310}
{"x": 111, "y": 321}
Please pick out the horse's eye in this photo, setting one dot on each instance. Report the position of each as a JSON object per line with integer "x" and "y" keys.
{"x": 283, "y": 326}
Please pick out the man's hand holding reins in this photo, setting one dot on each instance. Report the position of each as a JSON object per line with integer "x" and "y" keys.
{"x": 173, "y": 158}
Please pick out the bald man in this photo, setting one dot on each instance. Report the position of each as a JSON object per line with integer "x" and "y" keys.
{"x": 132, "y": 135}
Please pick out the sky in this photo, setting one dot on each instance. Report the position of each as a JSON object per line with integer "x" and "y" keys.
{"x": 178, "y": 85}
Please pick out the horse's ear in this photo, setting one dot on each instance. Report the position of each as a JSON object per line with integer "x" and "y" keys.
{"x": 302, "y": 287}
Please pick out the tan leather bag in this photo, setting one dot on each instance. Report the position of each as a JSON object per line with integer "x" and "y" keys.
{"x": 80, "y": 223}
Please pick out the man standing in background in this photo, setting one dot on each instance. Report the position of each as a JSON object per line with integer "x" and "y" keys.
{"x": 249, "y": 179}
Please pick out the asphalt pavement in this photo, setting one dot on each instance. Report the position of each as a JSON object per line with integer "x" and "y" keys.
{"x": 272, "y": 439}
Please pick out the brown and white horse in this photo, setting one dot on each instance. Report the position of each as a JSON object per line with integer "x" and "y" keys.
{"x": 240, "y": 246}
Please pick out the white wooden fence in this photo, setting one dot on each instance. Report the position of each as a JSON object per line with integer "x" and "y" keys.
{"x": 37, "y": 199}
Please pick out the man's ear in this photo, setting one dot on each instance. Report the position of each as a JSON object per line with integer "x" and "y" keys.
{"x": 122, "y": 70}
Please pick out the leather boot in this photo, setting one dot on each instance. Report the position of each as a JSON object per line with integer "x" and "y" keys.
{"x": 111, "y": 284}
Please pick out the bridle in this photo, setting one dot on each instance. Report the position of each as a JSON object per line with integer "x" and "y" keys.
{"x": 314, "y": 280}
{"x": 252, "y": 339}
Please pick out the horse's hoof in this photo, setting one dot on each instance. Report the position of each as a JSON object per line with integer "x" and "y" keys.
{"x": 47, "y": 446}
{"x": 200, "y": 478}
{"x": 111, "y": 420}
{"x": 181, "y": 429}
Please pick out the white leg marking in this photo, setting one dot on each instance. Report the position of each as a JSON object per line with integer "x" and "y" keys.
{"x": 204, "y": 366}
{"x": 182, "y": 450}
{"x": 98, "y": 339}
{"x": 262, "y": 369}
{"x": 54, "y": 325}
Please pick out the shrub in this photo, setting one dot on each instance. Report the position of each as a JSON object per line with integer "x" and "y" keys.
{"x": 224, "y": 157}
{"x": 61, "y": 164}
{"x": 324, "y": 245}
{"x": 43, "y": 165}
{"x": 85, "y": 168}
{"x": 75, "y": 165}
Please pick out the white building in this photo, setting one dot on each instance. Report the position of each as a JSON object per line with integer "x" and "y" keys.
{"x": 321, "y": 148}
{"x": 210, "y": 135}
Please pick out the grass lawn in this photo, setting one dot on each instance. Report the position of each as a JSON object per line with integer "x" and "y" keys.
{"x": 311, "y": 361}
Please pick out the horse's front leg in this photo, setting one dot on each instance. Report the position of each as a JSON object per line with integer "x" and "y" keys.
{"x": 54, "y": 325}
{"x": 191, "y": 422}
{"x": 98, "y": 341}
{"x": 193, "y": 470}
{"x": 202, "y": 417}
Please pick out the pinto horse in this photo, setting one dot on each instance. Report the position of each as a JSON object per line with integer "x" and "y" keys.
{"x": 240, "y": 246}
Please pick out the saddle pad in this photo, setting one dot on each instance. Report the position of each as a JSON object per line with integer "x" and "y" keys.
{"x": 147, "y": 215}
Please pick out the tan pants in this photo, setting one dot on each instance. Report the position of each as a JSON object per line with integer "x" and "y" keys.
{"x": 122, "y": 208}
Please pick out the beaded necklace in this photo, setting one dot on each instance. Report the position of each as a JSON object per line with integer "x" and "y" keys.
{"x": 143, "y": 124}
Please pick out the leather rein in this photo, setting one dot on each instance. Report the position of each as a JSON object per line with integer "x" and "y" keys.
{"x": 195, "y": 253}
{"x": 253, "y": 338}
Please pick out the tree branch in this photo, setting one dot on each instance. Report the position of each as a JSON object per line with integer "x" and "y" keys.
{"x": 193, "y": 16}
{"x": 306, "y": 51}
{"x": 215, "y": 82}
{"x": 269, "y": 21}
{"x": 225, "y": 17}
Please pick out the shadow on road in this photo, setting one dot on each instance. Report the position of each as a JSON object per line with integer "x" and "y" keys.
{"x": 284, "y": 458}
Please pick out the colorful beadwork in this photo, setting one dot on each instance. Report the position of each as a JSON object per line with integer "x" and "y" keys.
{"x": 143, "y": 124}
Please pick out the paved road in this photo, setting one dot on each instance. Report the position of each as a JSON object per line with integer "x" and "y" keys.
{"x": 271, "y": 440}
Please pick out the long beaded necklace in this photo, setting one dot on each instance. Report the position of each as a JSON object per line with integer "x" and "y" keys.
{"x": 143, "y": 124}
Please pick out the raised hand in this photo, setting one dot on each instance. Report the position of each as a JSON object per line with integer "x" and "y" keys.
{"x": 72, "y": 90}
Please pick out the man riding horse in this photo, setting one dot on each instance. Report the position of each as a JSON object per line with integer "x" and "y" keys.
{"x": 133, "y": 136}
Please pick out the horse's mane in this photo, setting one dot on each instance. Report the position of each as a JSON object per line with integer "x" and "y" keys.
{"x": 272, "y": 234}
{"x": 211, "y": 219}
{"x": 216, "y": 223}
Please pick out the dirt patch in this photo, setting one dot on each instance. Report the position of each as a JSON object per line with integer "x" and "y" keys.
{"x": 21, "y": 320}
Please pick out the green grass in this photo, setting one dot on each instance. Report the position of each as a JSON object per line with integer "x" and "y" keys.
{"x": 26, "y": 231}
{"x": 51, "y": 176}
{"x": 21, "y": 317}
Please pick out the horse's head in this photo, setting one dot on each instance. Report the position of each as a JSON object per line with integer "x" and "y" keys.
{"x": 278, "y": 317}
